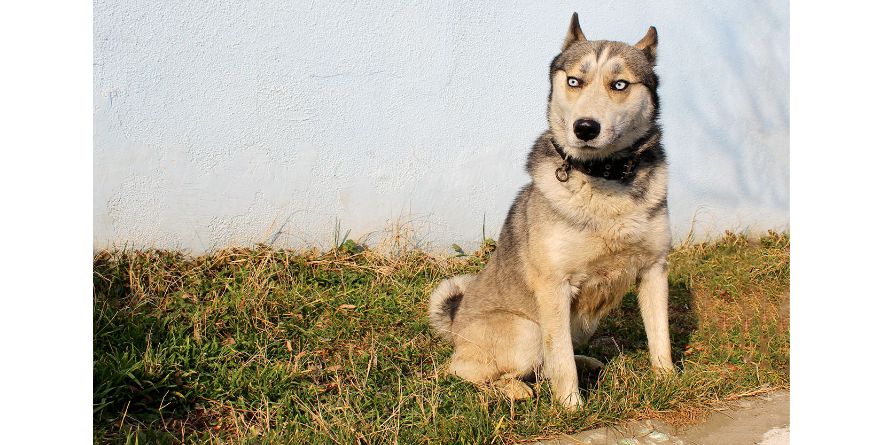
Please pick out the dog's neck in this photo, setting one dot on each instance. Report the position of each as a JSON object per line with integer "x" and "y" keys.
{"x": 620, "y": 166}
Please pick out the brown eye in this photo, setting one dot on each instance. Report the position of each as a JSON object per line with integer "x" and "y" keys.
{"x": 620, "y": 85}
{"x": 573, "y": 82}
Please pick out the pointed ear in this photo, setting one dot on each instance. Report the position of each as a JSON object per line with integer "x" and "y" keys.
{"x": 574, "y": 35}
{"x": 648, "y": 44}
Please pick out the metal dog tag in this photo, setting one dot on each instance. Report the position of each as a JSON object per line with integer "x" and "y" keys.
{"x": 563, "y": 172}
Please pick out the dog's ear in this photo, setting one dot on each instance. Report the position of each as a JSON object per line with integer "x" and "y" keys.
{"x": 574, "y": 35}
{"x": 648, "y": 44}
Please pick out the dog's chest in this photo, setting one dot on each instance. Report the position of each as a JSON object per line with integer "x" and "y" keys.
{"x": 602, "y": 256}
{"x": 603, "y": 268}
{"x": 609, "y": 251}
{"x": 602, "y": 238}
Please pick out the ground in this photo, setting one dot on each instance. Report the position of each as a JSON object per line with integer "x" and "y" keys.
{"x": 264, "y": 345}
{"x": 762, "y": 419}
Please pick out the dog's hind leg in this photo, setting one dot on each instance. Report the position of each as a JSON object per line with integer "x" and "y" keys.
{"x": 585, "y": 363}
{"x": 521, "y": 354}
{"x": 513, "y": 388}
{"x": 582, "y": 328}
{"x": 498, "y": 349}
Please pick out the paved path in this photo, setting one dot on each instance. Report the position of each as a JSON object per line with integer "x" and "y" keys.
{"x": 761, "y": 420}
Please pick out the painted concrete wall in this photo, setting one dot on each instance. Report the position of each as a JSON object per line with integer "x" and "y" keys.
{"x": 230, "y": 123}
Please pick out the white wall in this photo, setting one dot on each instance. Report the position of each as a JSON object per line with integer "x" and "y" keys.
{"x": 224, "y": 123}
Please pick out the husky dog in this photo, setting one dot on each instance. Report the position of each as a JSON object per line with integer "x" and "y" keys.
{"x": 592, "y": 223}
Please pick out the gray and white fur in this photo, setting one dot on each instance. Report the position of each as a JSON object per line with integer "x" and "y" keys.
{"x": 569, "y": 251}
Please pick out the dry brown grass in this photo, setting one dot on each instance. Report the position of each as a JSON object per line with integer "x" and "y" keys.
{"x": 273, "y": 346}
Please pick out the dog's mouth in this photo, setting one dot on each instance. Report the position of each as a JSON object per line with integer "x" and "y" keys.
{"x": 586, "y": 146}
{"x": 589, "y": 146}
{"x": 604, "y": 142}
{"x": 595, "y": 145}
{"x": 607, "y": 139}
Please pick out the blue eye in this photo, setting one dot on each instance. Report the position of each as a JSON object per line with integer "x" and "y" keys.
{"x": 620, "y": 85}
{"x": 573, "y": 82}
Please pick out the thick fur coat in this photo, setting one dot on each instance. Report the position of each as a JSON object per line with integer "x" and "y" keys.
{"x": 570, "y": 249}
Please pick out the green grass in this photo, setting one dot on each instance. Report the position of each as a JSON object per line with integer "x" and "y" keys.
{"x": 272, "y": 346}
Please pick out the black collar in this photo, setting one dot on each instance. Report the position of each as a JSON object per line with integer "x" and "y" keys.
{"x": 613, "y": 169}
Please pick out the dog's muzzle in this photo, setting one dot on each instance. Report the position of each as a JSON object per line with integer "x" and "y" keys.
{"x": 586, "y": 129}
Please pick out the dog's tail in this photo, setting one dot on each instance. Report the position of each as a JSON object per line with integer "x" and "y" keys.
{"x": 444, "y": 304}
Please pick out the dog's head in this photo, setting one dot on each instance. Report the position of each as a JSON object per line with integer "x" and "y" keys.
{"x": 603, "y": 93}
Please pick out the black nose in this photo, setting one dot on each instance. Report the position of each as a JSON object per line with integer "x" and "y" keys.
{"x": 586, "y": 129}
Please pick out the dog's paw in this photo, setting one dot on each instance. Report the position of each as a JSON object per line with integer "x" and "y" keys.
{"x": 513, "y": 389}
{"x": 571, "y": 401}
{"x": 664, "y": 371}
{"x": 585, "y": 363}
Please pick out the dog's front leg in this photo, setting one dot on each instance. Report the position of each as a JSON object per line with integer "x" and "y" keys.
{"x": 653, "y": 299}
{"x": 559, "y": 362}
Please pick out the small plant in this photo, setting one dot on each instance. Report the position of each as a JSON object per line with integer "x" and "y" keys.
{"x": 339, "y": 239}
{"x": 343, "y": 243}
{"x": 488, "y": 245}
{"x": 485, "y": 250}
{"x": 351, "y": 247}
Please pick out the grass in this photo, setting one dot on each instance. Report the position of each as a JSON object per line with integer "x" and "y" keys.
{"x": 265, "y": 345}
